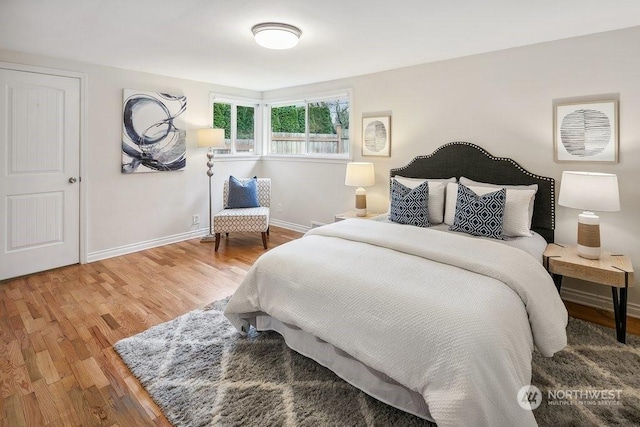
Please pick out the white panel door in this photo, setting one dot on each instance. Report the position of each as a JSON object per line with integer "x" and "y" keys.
{"x": 39, "y": 168}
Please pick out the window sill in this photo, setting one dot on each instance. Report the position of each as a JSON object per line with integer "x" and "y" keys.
{"x": 235, "y": 157}
{"x": 281, "y": 158}
{"x": 307, "y": 158}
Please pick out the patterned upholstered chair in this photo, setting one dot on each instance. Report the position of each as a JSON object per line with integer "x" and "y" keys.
{"x": 245, "y": 219}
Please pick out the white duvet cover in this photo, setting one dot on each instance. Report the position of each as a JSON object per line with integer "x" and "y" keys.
{"x": 452, "y": 318}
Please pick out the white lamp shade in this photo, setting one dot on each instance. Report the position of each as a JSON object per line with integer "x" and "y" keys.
{"x": 273, "y": 35}
{"x": 360, "y": 174}
{"x": 590, "y": 191}
{"x": 209, "y": 137}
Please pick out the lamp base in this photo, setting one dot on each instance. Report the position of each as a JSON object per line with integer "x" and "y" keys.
{"x": 589, "y": 235}
{"x": 361, "y": 202}
{"x": 209, "y": 238}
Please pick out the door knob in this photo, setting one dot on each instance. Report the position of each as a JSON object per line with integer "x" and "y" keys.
{"x": 72, "y": 180}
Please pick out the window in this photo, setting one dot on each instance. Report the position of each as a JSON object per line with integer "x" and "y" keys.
{"x": 239, "y": 119}
{"x": 317, "y": 127}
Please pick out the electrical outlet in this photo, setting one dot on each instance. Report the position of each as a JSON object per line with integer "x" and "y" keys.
{"x": 279, "y": 207}
{"x": 195, "y": 220}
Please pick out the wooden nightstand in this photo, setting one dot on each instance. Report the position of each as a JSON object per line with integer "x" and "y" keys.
{"x": 611, "y": 269}
{"x": 352, "y": 214}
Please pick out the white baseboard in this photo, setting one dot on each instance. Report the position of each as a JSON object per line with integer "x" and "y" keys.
{"x": 135, "y": 247}
{"x": 289, "y": 225}
{"x": 568, "y": 294}
{"x": 597, "y": 301}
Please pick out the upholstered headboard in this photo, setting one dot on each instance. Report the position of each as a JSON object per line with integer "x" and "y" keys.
{"x": 466, "y": 159}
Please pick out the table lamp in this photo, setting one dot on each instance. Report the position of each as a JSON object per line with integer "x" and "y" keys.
{"x": 589, "y": 191}
{"x": 212, "y": 138}
{"x": 360, "y": 174}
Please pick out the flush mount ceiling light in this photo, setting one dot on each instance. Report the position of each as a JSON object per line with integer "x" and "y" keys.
{"x": 273, "y": 35}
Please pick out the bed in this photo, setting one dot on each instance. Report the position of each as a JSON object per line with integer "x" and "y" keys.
{"x": 436, "y": 323}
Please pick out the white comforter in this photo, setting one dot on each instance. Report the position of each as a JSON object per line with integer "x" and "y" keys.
{"x": 453, "y": 318}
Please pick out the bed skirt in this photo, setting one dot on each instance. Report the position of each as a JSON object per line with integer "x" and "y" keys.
{"x": 370, "y": 381}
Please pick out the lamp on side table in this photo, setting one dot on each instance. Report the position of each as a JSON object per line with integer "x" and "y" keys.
{"x": 589, "y": 191}
{"x": 360, "y": 174}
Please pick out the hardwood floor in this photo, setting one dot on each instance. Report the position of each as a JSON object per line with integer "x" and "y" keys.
{"x": 57, "y": 328}
{"x": 601, "y": 317}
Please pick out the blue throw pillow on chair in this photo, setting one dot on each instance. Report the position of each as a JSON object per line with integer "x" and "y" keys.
{"x": 243, "y": 194}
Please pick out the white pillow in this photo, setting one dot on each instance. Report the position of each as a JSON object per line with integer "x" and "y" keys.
{"x": 468, "y": 182}
{"x": 516, "y": 222}
{"x": 436, "y": 196}
{"x": 421, "y": 180}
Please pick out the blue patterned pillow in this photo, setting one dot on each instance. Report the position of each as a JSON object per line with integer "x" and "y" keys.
{"x": 479, "y": 215}
{"x": 243, "y": 194}
{"x": 410, "y": 206}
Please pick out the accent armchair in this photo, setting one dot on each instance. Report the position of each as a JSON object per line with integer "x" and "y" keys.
{"x": 245, "y": 219}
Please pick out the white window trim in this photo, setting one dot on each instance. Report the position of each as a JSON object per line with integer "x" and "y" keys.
{"x": 236, "y": 101}
{"x": 313, "y": 158}
{"x": 322, "y": 158}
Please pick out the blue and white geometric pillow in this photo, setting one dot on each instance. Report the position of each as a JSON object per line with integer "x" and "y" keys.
{"x": 410, "y": 206}
{"x": 479, "y": 215}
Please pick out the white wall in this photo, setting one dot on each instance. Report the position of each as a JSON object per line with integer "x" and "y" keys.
{"x": 128, "y": 211}
{"x": 501, "y": 101}
{"x": 307, "y": 191}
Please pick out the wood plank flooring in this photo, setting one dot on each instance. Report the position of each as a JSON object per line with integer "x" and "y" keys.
{"x": 57, "y": 328}
{"x": 601, "y": 317}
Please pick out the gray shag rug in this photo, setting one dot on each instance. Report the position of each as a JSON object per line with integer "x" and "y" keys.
{"x": 202, "y": 373}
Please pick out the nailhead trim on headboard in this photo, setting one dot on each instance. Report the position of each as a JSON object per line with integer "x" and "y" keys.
{"x": 421, "y": 164}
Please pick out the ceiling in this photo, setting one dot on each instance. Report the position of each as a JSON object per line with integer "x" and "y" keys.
{"x": 211, "y": 40}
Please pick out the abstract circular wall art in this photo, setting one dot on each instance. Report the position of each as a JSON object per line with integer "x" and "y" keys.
{"x": 153, "y": 133}
{"x": 376, "y": 136}
{"x": 586, "y": 132}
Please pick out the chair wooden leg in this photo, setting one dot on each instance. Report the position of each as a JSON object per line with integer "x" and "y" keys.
{"x": 267, "y": 231}
{"x": 264, "y": 239}
{"x": 227, "y": 234}
{"x": 217, "y": 241}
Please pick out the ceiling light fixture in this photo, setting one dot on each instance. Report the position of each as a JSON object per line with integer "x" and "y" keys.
{"x": 273, "y": 35}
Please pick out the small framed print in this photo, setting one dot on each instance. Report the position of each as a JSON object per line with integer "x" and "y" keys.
{"x": 586, "y": 132}
{"x": 376, "y": 136}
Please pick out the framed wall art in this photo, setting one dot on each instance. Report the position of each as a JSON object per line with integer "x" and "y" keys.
{"x": 153, "y": 132}
{"x": 586, "y": 132}
{"x": 376, "y": 136}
